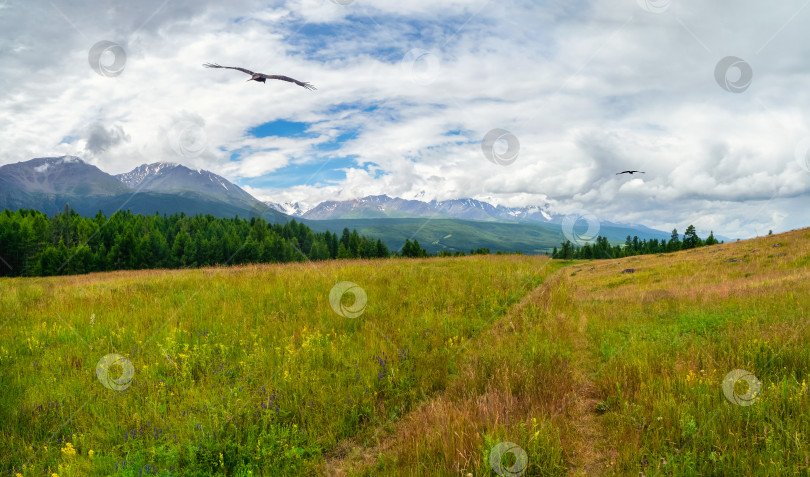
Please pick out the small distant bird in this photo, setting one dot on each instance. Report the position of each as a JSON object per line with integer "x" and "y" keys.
{"x": 261, "y": 77}
{"x": 644, "y": 462}
{"x": 629, "y": 172}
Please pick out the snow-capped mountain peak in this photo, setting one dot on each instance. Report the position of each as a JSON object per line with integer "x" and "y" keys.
{"x": 137, "y": 176}
{"x": 294, "y": 209}
{"x": 171, "y": 177}
{"x": 384, "y": 206}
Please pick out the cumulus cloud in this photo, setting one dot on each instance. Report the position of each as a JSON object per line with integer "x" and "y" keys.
{"x": 589, "y": 88}
{"x": 100, "y": 138}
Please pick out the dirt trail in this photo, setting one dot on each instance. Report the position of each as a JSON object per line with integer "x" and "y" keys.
{"x": 579, "y": 412}
{"x": 588, "y": 456}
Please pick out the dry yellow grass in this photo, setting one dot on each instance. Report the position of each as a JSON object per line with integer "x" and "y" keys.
{"x": 632, "y": 371}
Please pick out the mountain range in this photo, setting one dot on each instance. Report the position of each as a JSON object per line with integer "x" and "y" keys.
{"x": 48, "y": 183}
{"x": 379, "y": 206}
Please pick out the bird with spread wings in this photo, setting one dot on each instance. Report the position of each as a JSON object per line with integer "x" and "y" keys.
{"x": 261, "y": 77}
{"x": 628, "y": 172}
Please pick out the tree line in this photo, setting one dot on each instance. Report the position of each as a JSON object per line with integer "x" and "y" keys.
{"x": 33, "y": 244}
{"x": 601, "y": 249}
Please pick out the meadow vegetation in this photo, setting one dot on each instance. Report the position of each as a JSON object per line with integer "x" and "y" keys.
{"x": 237, "y": 370}
{"x": 248, "y": 370}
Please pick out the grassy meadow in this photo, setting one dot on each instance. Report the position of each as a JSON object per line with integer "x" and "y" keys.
{"x": 250, "y": 370}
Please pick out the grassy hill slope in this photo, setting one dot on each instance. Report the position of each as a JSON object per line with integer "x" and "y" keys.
{"x": 599, "y": 372}
{"x": 251, "y": 371}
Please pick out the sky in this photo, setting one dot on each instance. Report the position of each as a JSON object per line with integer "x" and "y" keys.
{"x": 514, "y": 102}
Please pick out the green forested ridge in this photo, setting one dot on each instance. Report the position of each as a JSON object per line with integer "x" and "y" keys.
{"x": 33, "y": 244}
{"x": 602, "y": 249}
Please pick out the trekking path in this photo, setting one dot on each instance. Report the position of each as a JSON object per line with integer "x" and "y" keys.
{"x": 587, "y": 457}
{"x": 451, "y": 422}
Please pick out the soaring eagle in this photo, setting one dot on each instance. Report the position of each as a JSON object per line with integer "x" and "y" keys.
{"x": 261, "y": 77}
{"x": 628, "y": 172}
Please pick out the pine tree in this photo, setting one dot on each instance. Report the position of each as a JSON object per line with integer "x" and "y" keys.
{"x": 354, "y": 244}
{"x": 690, "y": 238}
{"x": 567, "y": 250}
{"x": 343, "y": 252}
{"x": 407, "y": 249}
{"x": 674, "y": 241}
{"x": 319, "y": 250}
{"x": 382, "y": 250}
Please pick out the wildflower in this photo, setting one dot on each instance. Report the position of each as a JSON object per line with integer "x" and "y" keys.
{"x": 90, "y": 453}
{"x": 68, "y": 449}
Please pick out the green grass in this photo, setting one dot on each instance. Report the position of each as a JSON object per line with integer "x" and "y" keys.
{"x": 249, "y": 371}
{"x": 248, "y": 362}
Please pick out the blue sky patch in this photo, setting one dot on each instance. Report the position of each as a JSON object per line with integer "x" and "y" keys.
{"x": 327, "y": 170}
{"x": 281, "y": 128}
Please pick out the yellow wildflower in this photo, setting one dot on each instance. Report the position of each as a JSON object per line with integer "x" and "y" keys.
{"x": 68, "y": 449}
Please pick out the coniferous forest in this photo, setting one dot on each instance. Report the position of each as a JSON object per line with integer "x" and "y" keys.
{"x": 34, "y": 244}
{"x": 602, "y": 249}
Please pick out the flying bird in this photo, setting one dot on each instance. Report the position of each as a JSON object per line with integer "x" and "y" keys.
{"x": 261, "y": 77}
{"x": 629, "y": 172}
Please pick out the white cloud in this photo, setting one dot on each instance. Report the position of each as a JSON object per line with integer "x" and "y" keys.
{"x": 589, "y": 88}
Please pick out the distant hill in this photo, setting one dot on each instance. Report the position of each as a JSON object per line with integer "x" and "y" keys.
{"x": 48, "y": 183}
{"x": 453, "y": 225}
{"x": 453, "y": 235}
